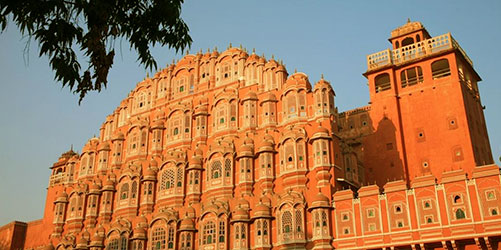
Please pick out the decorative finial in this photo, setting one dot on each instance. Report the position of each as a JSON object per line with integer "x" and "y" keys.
{"x": 147, "y": 74}
{"x": 71, "y": 147}
{"x": 272, "y": 56}
{"x": 187, "y": 52}
{"x": 295, "y": 70}
{"x": 253, "y": 50}
{"x": 408, "y": 20}
{"x": 215, "y": 48}
{"x": 322, "y": 76}
{"x": 230, "y": 46}
{"x": 240, "y": 46}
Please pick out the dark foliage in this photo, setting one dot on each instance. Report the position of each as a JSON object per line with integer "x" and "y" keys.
{"x": 93, "y": 26}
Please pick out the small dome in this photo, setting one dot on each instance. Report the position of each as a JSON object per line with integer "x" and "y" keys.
{"x": 321, "y": 132}
{"x": 94, "y": 187}
{"x": 251, "y": 95}
{"x": 281, "y": 68}
{"x": 139, "y": 233}
{"x": 261, "y": 210}
{"x": 118, "y": 136}
{"x": 96, "y": 240}
{"x": 270, "y": 97}
{"x": 62, "y": 197}
{"x": 158, "y": 123}
{"x": 320, "y": 200}
{"x": 248, "y": 141}
{"x": 262, "y": 60}
{"x": 195, "y": 161}
{"x": 67, "y": 155}
{"x": 104, "y": 146}
{"x": 150, "y": 174}
{"x": 246, "y": 150}
{"x": 109, "y": 185}
{"x": 271, "y": 63}
{"x": 252, "y": 58}
{"x": 322, "y": 83}
{"x": 241, "y": 214}
{"x": 82, "y": 243}
{"x": 187, "y": 224}
{"x": 215, "y": 53}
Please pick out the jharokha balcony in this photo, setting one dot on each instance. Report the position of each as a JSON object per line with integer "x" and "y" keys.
{"x": 414, "y": 51}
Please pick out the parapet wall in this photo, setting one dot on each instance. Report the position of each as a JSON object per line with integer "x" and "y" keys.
{"x": 457, "y": 209}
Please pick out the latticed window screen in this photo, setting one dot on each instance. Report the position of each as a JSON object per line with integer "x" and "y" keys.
{"x": 286, "y": 222}
{"x": 158, "y": 239}
{"x": 324, "y": 219}
{"x": 227, "y": 167}
{"x": 216, "y": 169}
{"x": 167, "y": 179}
{"x": 265, "y": 228}
{"x": 179, "y": 176}
{"x": 134, "y": 190}
{"x": 299, "y": 221}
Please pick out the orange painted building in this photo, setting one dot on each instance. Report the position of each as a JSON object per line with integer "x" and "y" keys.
{"x": 227, "y": 151}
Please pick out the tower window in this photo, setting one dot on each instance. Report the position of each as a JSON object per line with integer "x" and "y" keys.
{"x": 440, "y": 69}
{"x": 382, "y": 82}
{"x": 407, "y": 41}
{"x": 412, "y": 76}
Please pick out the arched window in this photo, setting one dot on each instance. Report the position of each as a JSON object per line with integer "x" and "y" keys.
{"x": 167, "y": 181}
{"x": 227, "y": 167}
{"x": 209, "y": 233}
{"x": 124, "y": 243}
{"x": 412, "y": 76}
{"x": 460, "y": 214}
{"x": 170, "y": 239}
{"x": 222, "y": 231}
{"x": 124, "y": 192}
{"x": 440, "y": 68}
{"x": 407, "y": 41}
{"x": 324, "y": 219}
{"x": 180, "y": 175}
{"x": 397, "y": 44}
{"x": 243, "y": 232}
{"x": 265, "y": 228}
{"x": 134, "y": 190}
{"x": 158, "y": 239}
{"x": 418, "y": 38}
{"x": 299, "y": 221}
{"x": 258, "y": 228}
{"x": 216, "y": 169}
{"x": 457, "y": 199}
{"x": 382, "y": 82}
{"x": 286, "y": 222}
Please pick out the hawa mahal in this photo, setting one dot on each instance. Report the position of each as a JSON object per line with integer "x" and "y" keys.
{"x": 227, "y": 150}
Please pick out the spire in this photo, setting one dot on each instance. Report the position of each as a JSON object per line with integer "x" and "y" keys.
{"x": 408, "y": 20}
{"x": 322, "y": 76}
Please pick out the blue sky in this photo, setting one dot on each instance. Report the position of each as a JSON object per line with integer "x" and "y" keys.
{"x": 40, "y": 120}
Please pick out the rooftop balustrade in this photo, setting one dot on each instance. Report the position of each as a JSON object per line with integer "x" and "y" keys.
{"x": 414, "y": 51}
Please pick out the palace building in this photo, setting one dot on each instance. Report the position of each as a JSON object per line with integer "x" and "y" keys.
{"x": 227, "y": 150}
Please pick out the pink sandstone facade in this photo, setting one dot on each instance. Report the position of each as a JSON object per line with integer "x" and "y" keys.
{"x": 227, "y": 151}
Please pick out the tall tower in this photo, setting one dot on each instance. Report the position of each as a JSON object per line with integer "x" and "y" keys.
{"x": 425, "y": 108}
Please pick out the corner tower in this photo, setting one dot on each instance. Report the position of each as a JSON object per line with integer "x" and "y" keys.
{"x": 425, "y": 107}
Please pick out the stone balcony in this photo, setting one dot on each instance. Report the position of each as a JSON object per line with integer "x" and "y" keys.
{"x": 414, "y": 51}
{"x": 61, "y": 178}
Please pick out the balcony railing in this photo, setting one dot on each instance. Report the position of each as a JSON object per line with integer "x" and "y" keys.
{"x": 60, "y": 179}
{"x": 414, "y": 51}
